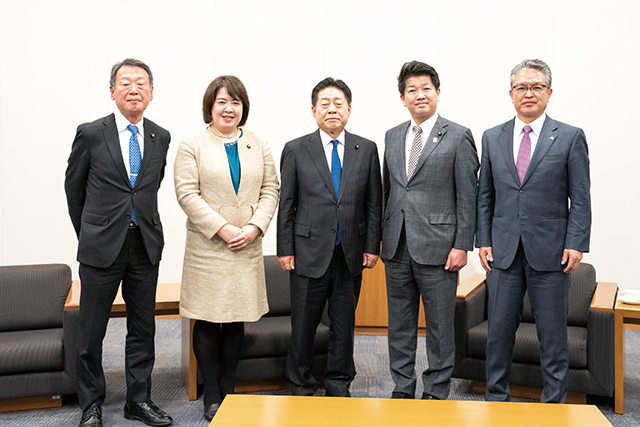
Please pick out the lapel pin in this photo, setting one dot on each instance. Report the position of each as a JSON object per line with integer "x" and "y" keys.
{"x": 153, "y": 135}
{"x": 357, "y": 146}
{"x": 440, "y": 133}
{"x": 248, "y": 145}
{"x": 435, "y": 140}
{"x": 551, "y": 138}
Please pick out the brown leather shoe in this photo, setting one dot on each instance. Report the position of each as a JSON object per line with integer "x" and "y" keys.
{"x": 92, "y": 416}
{"x": 148, "y": 413}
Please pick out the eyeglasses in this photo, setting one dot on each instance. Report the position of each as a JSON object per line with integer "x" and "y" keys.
{"x": 522, "y": 89}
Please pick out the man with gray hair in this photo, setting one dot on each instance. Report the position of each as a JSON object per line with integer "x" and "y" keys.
{"x": 112, "y": 181}
{"x": 534, "y": 222}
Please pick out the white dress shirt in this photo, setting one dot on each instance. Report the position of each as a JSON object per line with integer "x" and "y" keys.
{"x": 518, "y": 133}
{"x": 125, "y": 136}
{"x": 427, "y": 127}
{"x": 328, "y": 147}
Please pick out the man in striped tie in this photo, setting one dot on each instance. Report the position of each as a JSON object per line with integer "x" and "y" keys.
{"x": 429, "y": 196}
{"x": 112, "y": 181}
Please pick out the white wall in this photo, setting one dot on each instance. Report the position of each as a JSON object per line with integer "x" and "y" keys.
{"x": 55, "y": 59}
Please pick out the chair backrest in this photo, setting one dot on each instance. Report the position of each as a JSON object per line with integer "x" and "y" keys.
{"x": 278, "y": 291}
{"x": 582, "y": 286}
{"x": 33, "y": 296}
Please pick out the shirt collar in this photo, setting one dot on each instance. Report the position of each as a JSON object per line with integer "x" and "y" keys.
{"x": 122, "y": 122}
{"x": 536, "y": 125}
{"x": 426, "y": 126}
{"x": 326, "y": 139}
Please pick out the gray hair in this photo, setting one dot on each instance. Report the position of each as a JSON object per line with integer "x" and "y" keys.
{"x": 535, "y": 64}
{"x": 130, "y": 62}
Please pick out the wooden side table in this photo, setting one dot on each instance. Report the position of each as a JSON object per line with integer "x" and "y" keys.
{"x": 625, "y": 314}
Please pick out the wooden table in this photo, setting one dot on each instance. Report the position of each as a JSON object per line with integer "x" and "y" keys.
{"x": 625, "y": 314}
{"x": 293, "y": 411}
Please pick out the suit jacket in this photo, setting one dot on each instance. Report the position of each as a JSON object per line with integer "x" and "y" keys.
{"x": 438, "y": 204}
{"x": 310, "y": 211}
{"x": 100, "y": 197}
{"x": 536, "y": 211}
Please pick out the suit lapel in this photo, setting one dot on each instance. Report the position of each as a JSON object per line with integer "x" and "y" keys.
{"x": 506, "y": 146}
{"x": 437, "y": 133}
{"x": 319, "y": 159}
{"x": 349, "y": 160}
{"x": 548, "y": 136}
{"x": 149, "y": 145}
{"x": 110, "y": 135}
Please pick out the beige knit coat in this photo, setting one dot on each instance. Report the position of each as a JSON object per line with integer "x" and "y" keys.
{"x": 220, "y": 285}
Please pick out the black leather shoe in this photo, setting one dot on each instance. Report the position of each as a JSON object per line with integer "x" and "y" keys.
{"x": 210, "y": 411}
{"x": 400, "y": 395}
{"x": 92, "y": 416}
{"x": 429, "y": 396}
{"x": 148, "y": 413}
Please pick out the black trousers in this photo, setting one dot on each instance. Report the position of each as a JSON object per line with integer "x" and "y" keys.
{"x": 99, "y": 288}
{"x": 308, "y": 299}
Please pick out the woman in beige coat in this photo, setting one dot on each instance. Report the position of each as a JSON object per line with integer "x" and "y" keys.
{"x": 226, "y": 183}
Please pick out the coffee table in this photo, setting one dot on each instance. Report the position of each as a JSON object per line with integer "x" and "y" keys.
{"x": 239, "y": 410}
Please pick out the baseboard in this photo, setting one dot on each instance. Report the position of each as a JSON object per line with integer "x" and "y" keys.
{"x": 533, "y": 393}
{"x": 30, "y": 403}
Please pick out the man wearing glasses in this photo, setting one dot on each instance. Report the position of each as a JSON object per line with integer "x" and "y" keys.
{"x": 534, "y": 222}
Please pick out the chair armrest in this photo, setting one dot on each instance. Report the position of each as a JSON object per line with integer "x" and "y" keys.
{"x": 604, "y": 298}
{"x": 470, "y": 285}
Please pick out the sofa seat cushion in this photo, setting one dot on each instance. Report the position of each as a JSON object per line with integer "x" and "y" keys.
{"x": 269, "y": 337}
{"x": 527, "y": 346}
{"x": 25, "y": 352}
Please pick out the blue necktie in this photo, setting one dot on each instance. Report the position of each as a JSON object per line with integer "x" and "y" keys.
{"x": 135, "y": 158}
{"x": 336, "y": 172}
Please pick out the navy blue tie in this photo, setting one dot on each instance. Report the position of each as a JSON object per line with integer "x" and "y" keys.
{"x": 135, "y": 158}
{"x": 336, "y": 172}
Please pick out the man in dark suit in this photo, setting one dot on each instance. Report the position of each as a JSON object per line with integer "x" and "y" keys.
{"x": 112, "y": 180}
{"x": 429, "y": 196}
{"x": 328, "y": 230}
{"x": 534, "y": 222}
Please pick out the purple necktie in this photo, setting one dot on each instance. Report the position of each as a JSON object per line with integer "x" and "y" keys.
{"x": 524, "y": 153}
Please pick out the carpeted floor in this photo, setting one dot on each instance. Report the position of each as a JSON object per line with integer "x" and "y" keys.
{"x": 373, "y": 380}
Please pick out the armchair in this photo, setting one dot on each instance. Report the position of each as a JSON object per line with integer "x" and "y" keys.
{"x": 590, "y": 332}
{"x": 39, "y": 338}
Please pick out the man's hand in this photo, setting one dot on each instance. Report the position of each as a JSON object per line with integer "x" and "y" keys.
{"x": 287, "y": 262}
{"x": 486, "y": 256}
{"x": 248, "y": 233}
{"x": 456, "y": 260}
{"x": 572, "y": 259}
{"x": 369, "y": 260}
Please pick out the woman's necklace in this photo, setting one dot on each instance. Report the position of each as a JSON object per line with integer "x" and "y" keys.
{"x": 222, "y": 136}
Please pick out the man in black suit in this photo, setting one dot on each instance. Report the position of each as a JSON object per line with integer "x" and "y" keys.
{"x": 112, "y": 180}
{"x": 328, "y": 231}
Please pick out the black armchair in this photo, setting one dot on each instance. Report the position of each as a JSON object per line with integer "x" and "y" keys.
{"x": 590, "y": 333}
{"x": 38, "y": 337}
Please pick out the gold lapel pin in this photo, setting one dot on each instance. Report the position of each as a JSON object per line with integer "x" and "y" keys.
{"x": 357, "y": 146}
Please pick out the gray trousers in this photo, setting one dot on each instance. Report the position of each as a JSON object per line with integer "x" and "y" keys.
{"x": 407, "y": 281}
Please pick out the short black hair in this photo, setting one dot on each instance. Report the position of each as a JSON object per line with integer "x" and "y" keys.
{"x": 234, "y": 88}
{"x": 414, "y": 69}
{"x": 330, "y": 82}
{"x": 129, "y": 62}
